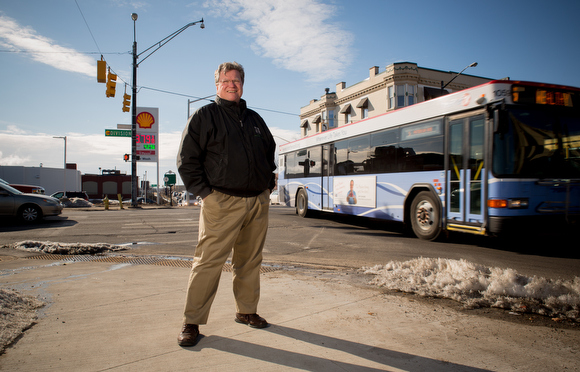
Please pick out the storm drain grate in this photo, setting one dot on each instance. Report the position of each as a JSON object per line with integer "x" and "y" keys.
{"x": 135, "y": 261}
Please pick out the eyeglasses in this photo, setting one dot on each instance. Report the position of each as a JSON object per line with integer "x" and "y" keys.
{"x": 228, "y": 82}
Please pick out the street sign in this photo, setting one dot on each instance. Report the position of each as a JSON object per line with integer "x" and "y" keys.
{"x": 117, "y": 133}
{"x": 169, "y": 178}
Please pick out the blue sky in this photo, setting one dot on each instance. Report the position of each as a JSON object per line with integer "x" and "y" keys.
{"x": 291, "y": 50}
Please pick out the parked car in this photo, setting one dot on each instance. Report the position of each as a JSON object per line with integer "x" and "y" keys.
{"x": 71, "y": 194}
{"x": 29, "y": 189}
{"x": 27, "y": 207}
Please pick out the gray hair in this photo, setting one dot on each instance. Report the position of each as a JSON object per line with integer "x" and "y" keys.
{"x": 227, "y": 67}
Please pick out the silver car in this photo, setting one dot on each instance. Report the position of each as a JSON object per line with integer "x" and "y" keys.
{"x": 27, "y": 207}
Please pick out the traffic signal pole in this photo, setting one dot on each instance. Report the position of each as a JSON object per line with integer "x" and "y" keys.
{"x": 134, "y": 119}
{"x": 134, "y": 102}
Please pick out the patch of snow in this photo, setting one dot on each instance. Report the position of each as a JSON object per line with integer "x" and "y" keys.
{"x": 64, "y": 248}
{"x": 480, "y": 286}
{"x": 76, "y": 203}
{"x": 17, "y": 314}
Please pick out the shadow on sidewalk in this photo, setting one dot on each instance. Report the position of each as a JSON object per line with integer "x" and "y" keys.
{"x": 384, "y": 358}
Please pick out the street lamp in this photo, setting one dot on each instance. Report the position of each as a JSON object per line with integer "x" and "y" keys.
{"x": 64, "y": 137}
{"x": 443, "y": 86}
{"x": 136, "y": 64}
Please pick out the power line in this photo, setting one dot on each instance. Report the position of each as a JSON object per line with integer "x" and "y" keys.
{"x": 54, "y": 52}
{"x": 86, "y": 23}
{"x": 211, "y": 100}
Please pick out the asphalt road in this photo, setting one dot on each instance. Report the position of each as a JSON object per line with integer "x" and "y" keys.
{"x": 326, "y": 240}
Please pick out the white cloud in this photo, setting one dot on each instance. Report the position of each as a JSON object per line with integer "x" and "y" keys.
{"x": 296, "y": 35}
{"x": 42, "y": 49}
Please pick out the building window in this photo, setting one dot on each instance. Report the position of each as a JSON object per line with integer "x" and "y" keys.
{"x": 405, "y": 95}
{"x": 363, "y": 105}
{"x": 400, "y": 96}
{"x": 391, "y": 97}
{"x": 411, "y": 91}
{"x": 331, "y": 123}
{"x": 305, "y": 126}
{"x": 347, "y": 111}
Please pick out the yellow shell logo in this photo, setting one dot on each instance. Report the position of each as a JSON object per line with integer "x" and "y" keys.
{"x": 145, "y": 120}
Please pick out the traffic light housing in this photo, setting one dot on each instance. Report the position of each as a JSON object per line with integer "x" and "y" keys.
{"x": 111, "y": 84}
{"x": 101, "y": 71}
{"x": 126, "y": 102}
{"x": 126, "y": 157}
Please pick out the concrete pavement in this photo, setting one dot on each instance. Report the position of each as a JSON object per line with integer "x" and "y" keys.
{"x": 121, "y": 316}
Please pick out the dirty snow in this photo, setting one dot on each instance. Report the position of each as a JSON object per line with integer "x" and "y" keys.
{"x": 75, "y": 203}
{"x": 17, "y": 314}
{"x": 63, "y": 248}
{"x": 480, "y": 286}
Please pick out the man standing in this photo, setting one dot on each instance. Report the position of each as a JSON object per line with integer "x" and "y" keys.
{"x": 227, "y": 158}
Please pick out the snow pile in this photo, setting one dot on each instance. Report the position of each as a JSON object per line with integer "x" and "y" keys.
{"x": 480, "y": 286}
{"x": 17, "y": 314}
{"x": 64, "y": 248}
{"x": 75, "y": 203}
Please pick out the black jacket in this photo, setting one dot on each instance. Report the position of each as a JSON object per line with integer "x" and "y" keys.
{"x": 226, "y": 147}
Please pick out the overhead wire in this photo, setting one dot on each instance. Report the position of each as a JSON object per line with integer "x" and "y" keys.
{"x": 160, "y": 90}
{"x": 86, "y": 23}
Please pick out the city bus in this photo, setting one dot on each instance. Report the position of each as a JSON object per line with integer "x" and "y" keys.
{"x": 501, "y": 157}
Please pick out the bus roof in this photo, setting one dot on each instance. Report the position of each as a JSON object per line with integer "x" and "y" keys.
{"x": 463, "y": 100}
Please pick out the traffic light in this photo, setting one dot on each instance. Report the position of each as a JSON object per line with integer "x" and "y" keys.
{"x": 126, "y": 102}
{"x": 101, "y": 71}
{"x": 111, "y": 84}
{"x": 126, "y": 157}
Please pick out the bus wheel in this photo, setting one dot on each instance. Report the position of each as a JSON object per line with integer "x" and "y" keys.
{"x": 302, "y": 203}
{"x": 425, "y": 216}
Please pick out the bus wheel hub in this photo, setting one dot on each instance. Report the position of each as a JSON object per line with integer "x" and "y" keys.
{"x": 424, "y": 211}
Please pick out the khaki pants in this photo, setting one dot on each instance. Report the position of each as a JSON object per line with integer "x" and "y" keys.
{"x": 225, "y": 223}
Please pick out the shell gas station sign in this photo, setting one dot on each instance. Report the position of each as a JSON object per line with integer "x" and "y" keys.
{"x": 147, "y": 134}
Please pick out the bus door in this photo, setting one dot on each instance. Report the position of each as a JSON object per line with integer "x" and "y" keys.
{"x": 326, "y": 178}
{"x": 466, "y": 173}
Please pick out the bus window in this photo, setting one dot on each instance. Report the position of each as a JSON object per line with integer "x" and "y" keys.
{"x": 384, "y": 151}
{"x": 476, "y": 137}
{"x": 342, "y": 166}
{"x": 314, "y": 161}
{"x": 455, "y": 164}
{"x": 422, "y": 147}
{"x": 537, "y": 144}
{"x": 358, "y": 153}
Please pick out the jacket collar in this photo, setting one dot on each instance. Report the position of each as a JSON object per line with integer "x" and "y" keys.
{"x": 231, "y": 105}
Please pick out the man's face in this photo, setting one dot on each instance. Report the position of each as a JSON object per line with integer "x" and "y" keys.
{"x": 229, "y": 86}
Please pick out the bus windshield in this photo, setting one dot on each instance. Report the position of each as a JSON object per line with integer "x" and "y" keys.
{"x": 537, "y": 143}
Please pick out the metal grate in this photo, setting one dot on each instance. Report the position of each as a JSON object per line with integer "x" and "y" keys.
{"x": 135, "y": 261}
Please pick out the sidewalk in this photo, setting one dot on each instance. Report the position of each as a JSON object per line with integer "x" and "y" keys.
{"x": 126, "y": 317}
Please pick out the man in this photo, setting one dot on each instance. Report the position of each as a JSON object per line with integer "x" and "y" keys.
{"x": 227, "y": 158}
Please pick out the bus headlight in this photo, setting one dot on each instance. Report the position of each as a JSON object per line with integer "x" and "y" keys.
{"x": 518, "y": 203}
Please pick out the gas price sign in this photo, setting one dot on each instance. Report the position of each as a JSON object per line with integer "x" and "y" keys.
{"x": 147, "y": 141}
{"x": 147, "y": 133}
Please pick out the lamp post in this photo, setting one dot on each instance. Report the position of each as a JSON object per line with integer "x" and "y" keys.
{"x": 136, "y": 64}
{"x": 64, "y": 137}
{"x": 443, "y": 86}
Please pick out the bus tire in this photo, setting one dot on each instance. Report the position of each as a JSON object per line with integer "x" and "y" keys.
{"x": 425, "y": 216}
{"x": 302, "y": 203}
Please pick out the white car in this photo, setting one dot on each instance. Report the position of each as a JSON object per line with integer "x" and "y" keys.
{"x": 274, "y": 197}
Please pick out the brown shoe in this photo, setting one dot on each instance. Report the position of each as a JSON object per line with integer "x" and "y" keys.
{"x": 188, "y": 335}
{"x": 253, "y": 320}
